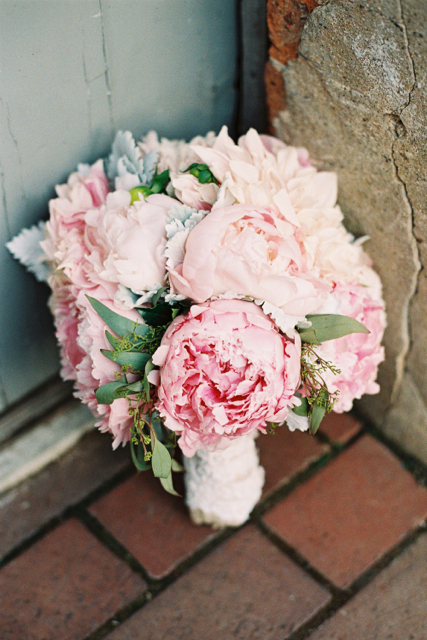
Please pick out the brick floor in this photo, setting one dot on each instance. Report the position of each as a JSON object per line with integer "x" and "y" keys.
{"x": 244, "y": 590}
{"x": 285, "y": 453}
{"x": 65, "y": 482}
{"x": 65, "y": 586}
{"x": 350, "y": 513}
{"x": 392, "y": 607}
{"x": 153, "y": 525}
{"x": 340, "y": 427}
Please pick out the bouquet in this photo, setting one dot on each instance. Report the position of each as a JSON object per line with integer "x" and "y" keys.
{"x": 205, "y": 292}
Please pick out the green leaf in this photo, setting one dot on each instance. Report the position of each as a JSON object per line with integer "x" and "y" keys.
{"x": 107, "y": 393}
{"x": 113, "y": 340}
{"x": 330, "y": 326}
{"x": 160, "y": 181}
{"x": 303, "y": 409}
{"x": 161, "y": 460}
{"x": 148, "y": 367}
{"x": 138, "y": 457}
{"x": 157, "y": 316}
{"x": 167, "y": 485}
{"x": 136, "y": 387}
{"x": 135, "y": 359}
{"x": 157, "y": 296}
{"x": 176, "y": 466}
{"x": 318, "y": 410}
{"x": 120, "y": 325}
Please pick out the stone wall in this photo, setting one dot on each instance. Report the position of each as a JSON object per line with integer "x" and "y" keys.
{"x": 347, "y": 80}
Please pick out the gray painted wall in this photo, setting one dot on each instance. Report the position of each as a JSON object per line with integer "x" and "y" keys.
{"x": 72, "y": 73}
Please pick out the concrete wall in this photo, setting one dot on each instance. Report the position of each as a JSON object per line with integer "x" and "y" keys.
{"x": 72, "y": 73}
{"x": 354, "y": 93}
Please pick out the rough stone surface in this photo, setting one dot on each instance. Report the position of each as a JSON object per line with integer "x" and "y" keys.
{"x": 392, "y": 607}
{"x": 152, "y": 524}
{"x": 356, "y": 98}
{"x": 344, "y": 518}
{"x": 64, "y": 587}
{"x": 216, "y": 599}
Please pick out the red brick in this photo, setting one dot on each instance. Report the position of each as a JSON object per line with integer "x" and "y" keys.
{"x": 275, "y": 91}
{"x": 87, "y": 466}
{"x": 246, "y": 589}
{"x": 340, "y": 427}
{"x": 65, "y": 586}
{"x": 392, "y": 607}
{"x": 286, "y": 453}
{"x": 350, "y": 513}
{"x": 285, "y": 19}
{"x": 153, "y": 525}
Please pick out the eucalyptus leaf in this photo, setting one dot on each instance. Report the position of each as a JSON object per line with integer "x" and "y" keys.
{"x": 136, "y": 387}
{"x": 316, "y": 416}
{"x": 176, "y": 466}
{"x": 330, "y": 326}
{"x": 138, "y": 457}
{"x": 135, "y": 359}
{"x": 167, "y": 485}
{"x": 113, "y": 340}
{"x": 161, "y": 460}
{"x": 303, "y": 409}
{"x": 148, "y": 367}
{"x": 107, "y": 393}
{"x": 120, "y": 325}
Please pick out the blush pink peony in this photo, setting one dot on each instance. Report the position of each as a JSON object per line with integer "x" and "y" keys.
{"x": 249, "y": 251}
{"x": 225, "y": 370}
{"x": 126, "y": 243}
{"x": 358, "y": 354}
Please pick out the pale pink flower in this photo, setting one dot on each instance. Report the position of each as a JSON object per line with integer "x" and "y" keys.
{"x": 263, "y": 171}
{"x": 225, "y": 370}
{"x": 125, "y": 244}
{"x": 84, "y": 190}
{"x": 175, "y": 155}
{"x": 358, "y": 354}
{"x": 248, "y": 251}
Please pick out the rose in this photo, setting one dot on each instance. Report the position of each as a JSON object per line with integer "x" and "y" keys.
{"x": 249, "y": 251}
{"x": 225, "y": 370}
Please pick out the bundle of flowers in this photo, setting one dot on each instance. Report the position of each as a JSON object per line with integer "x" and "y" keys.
{"x": 207, "y": 290}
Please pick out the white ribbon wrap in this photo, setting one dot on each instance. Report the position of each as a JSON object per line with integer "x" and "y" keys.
{"x": 222, "y": 487}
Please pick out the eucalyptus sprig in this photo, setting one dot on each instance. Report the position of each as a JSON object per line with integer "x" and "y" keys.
{"x": 317, "y": 399}
{"x": 152, "y": 444}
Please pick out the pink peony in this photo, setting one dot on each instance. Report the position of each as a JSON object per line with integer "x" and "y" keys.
{"x": 125, "y": 244}
{"x": 249, "y": 251}
{"x": 263, "y": 171}
{"x": 65, "y": 228}
{"x": 225, "y": 370}
{"x": 358, "y": 354}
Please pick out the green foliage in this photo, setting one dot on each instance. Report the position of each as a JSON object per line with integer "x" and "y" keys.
{"x": 152, "y": 445}
{"x": 329, "y": 326}
{"x": 318, "y": 399}
{"x": 158, "y": 185}
{"x": 202, "y": 172}
{"x": 118, "y": 324}
{"x": 110, "y": 391}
